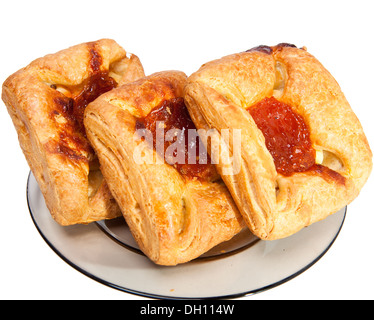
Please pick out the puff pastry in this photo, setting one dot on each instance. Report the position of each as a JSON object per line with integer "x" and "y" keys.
{"x": 253, "y": 91}
{"x": 46, "y": 101}
{"x": 175, "y": 213}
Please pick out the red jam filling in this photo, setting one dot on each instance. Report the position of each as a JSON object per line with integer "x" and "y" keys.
{"x": 96, "y": 85}
{"x": 73, "y": 108}
{"x": 174, "y": 114}
{"x": 287, "y": 138}
{"x": 73, "y": 132}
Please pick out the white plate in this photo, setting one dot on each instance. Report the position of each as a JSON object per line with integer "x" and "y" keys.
{"x": 105, "y": 252}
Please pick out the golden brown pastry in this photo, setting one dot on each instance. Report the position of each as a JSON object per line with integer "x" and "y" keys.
{"x": 46, "y": 101}
{"x": 304, "y": 154}
{"x": 176, "y": 210}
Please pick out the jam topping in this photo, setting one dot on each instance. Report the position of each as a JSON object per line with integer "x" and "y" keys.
{"x": 71, "y": 104}
{"x": 73, "y": 108}
{"x": 173, "y": 114}
{"x": 95, "y": 86}
{"x": 286, "y": 135}
{"x": 72, "y": 139}
{"x": 287, "y": 138}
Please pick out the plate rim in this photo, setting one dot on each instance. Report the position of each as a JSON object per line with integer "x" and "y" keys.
{"x": 166, "y": 297}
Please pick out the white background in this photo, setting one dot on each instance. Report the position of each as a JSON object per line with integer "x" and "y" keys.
{"x": 183, "y": 35}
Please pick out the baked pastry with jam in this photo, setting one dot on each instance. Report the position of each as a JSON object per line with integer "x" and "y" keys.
{"x": 304, "y": 154}
{"x": 46, "y": 101}
{"x": 176, "y": 209}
